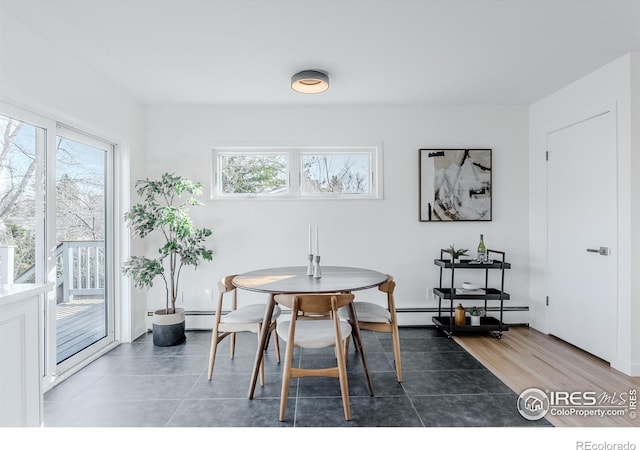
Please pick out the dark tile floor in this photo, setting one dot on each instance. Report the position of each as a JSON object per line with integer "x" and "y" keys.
{"x": 140, "y": 385}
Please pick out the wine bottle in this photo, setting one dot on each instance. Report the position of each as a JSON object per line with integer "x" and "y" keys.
{"x": 482, "y": 250}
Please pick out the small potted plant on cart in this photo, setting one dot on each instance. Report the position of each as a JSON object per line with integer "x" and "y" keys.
{"x": 476, "y": 314}
{"x": 456, "y": 253}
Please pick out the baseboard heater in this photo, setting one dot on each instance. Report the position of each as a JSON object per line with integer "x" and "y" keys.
{"x": 194, "y": 313}
{"x": 433, "y": 310}
{"x": 208, "y": 312}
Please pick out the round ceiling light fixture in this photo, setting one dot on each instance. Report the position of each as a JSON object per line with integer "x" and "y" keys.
{"x": 310, "y": 82}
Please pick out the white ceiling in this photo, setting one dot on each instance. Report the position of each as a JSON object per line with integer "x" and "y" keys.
{"x": 498, "y": 52}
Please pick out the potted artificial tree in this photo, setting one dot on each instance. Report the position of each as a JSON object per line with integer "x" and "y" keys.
{"x": 165, "y": 211}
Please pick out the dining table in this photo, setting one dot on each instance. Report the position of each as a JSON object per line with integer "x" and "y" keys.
{"x": 295, "y": 280}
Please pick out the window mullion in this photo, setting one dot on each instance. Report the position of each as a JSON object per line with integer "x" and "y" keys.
{"x": 295, "y": 172}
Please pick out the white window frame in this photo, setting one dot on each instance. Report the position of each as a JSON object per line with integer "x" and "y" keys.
{"x": 295, "y": 152}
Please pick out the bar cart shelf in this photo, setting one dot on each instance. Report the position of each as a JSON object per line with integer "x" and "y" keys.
{"x": 453, "y": 294}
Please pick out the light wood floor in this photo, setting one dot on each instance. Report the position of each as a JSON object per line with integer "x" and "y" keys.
{"x": 525, "y": 358}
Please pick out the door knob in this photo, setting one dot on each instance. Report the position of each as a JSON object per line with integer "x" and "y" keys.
{"x": 604, "y": 251}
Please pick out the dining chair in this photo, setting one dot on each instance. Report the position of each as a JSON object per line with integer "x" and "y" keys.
{"x": 246, "y": 318}
{"x": 373, "y": 317}
{"x": 324, "y": 331}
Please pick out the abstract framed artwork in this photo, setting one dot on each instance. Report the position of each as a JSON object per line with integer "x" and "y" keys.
{"x": 455, "y": 185}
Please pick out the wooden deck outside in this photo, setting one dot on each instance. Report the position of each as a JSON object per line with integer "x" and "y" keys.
{"x": 80, "y": 323}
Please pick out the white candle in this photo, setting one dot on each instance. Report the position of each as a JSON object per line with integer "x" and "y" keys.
{"x": 317, "y": 241}
{"x": 310, "y": 240}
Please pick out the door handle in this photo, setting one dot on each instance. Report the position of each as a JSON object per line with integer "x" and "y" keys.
{"x": 604, "y": 251}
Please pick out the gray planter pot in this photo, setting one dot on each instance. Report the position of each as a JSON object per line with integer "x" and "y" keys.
{"x": 168, "y": 329}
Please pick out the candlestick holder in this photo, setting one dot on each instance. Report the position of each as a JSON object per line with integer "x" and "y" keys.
{"x": 310, "y": 265}
{"x": 317, "y": 273}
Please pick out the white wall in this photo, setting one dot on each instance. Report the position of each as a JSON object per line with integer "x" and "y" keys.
{"x": 43, "y": 79}
{"x": 611, "y": 85}
{"x": 379, "y": 234}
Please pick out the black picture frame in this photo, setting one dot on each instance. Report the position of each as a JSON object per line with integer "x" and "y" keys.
{"x": 455, "y": 185}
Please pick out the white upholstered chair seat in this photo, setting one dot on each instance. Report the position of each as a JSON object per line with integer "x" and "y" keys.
{"x": 373, "y": 317}
{"x": 367, "y": 312}
{"x": 249, "y": 314}
{"x": 246, "y": 318}
{"x": 314, "y": 333}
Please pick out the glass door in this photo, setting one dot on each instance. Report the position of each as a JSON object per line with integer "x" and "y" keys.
{"x": 84, "y": 304}
{"x": 56, "y": 226}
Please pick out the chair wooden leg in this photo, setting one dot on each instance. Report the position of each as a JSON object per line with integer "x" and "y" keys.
{"x": 232, "y": 348}
{"x": 344, "y": 385}
{"x": 277, "y": 342}
{"x": 345, "y": 348}
{"x": 286, "y": 378}
{"x": 396, "y": 352}
{"x": 212, "y": 352}
{"x": 261, "y": 365}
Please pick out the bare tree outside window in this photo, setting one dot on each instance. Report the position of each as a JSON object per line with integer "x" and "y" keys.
{"x": 80, "y": 196}
{"x": 254, "y": 173}
{"x": 17, "y": 192}
{"x": 80, "y": 201}
{"x": 312, "y": 172}
{"x": 336, "y": 173}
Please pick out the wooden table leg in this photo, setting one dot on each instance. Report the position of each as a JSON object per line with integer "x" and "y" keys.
{"x": 264, "y": 333}
{"x": 357, "y": 339}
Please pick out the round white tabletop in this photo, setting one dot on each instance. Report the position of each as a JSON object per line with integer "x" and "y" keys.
{"x": 289, "y": 280}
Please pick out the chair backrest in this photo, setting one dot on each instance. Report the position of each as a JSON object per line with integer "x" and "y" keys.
{"x": 314, "y": 303}
{"x": 225, "y": 285}
{"x": 388, "y": 287}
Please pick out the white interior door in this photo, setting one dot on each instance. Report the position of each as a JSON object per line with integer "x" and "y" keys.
{"x": 582, "y": 218}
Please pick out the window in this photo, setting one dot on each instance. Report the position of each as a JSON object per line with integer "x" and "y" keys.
{"x": 341, "y": 172}
{"x": 253, "y": 173}
{"x": 335, "y": 173}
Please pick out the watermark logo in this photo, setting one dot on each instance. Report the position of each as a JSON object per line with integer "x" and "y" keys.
{"x": 589, "y": 445}
{"x": 533, "y": 404}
